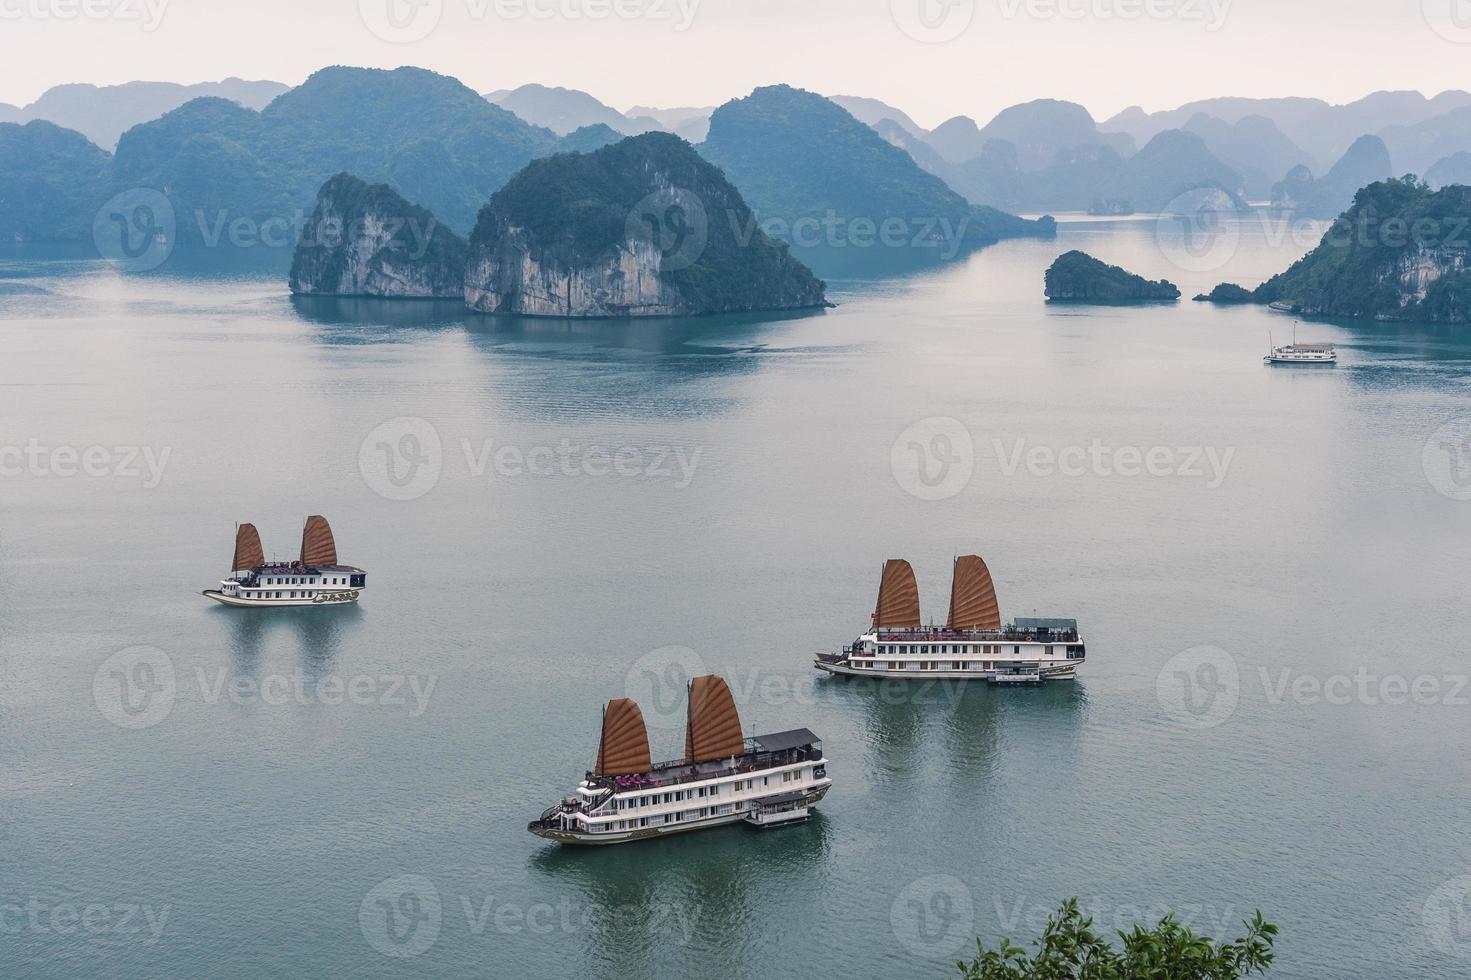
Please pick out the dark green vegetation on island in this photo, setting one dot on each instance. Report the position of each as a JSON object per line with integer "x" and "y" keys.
{"x": 1226, "y": 294}
{"x": 51, "y": 183}
{"x": 1401, "y": 252}
{"x": 237, "y": 177}
{"x": 366, "y": 240}
{"x": 816, "y": 176}
{"x": 1070, "y": 949}
{"x": 644, "y": 227}
{"x": 1077, "y": 277}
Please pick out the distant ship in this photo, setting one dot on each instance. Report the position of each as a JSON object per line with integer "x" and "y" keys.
{"x": 972, "y": 645}
{"x": 1302, "y": 354}
{"x": 314, "y": 579}
{"x": 764, "y": 781}
{"x": 1295, "y": 353}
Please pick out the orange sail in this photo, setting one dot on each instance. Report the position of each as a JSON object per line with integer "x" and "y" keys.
{"x": 317, "y": 546}
{"x": 248, "y": 553}
{"x": 624, "y": 747}
{"x": 973, "y": 596}
{"x": 713, "y": 728}
{"x": 898, "y": 605}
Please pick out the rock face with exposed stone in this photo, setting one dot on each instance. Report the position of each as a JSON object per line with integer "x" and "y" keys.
{"x": 366, "y": 240}
{"x": 643, "y": 227}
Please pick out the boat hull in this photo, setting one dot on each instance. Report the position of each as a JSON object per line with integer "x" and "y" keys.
{"x": 342, "y": 598}
{"x": 581, "y": 839}
{"x": 1060, "y": 672}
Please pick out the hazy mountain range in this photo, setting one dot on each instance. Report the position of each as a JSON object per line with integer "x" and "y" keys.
{"x": 103, "y": 113}
{"x": 261, "y": 150}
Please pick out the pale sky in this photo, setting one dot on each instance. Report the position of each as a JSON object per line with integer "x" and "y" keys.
{"x": 1105, "y": 54}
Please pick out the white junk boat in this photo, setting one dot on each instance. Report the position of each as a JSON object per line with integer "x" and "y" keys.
{"x": 314, "y": 579}
{"x": 764, "y": 781}
{"x": 972, "y": 645}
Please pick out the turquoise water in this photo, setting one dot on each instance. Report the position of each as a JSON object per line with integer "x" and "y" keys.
{"x": 216, "y": 803}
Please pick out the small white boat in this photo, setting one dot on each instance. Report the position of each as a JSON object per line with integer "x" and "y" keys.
{"x": 973, "y": 645}
{"x": 1295, "y": 353}
{"x": 764, "y": 781}
{"x": 314, "y": 579}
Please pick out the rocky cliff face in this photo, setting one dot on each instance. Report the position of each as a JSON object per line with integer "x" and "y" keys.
{"x": 366, "y": 240}
{"x": 644, "y": 227}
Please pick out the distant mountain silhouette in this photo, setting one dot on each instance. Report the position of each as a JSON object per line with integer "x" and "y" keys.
{"x": 1254, "y": 146}
{"x": 1366, "y": 162}
{"x": 1322, "y": 130}
{"x": 1169, "y": 173}
{"x": 587, "y": 139}
{"x": 806, "y": 162}
{"x": 871, "y": 112}
{"x": 1416, "y": 147}
{"x": 1454, "y": 169}
{"x": 564, "y": 110}
{"x": 689, "y": 123}
{"x": 104, "y": 113}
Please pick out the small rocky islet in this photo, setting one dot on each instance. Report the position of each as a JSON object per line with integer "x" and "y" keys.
{"x": 1077, "y": 277}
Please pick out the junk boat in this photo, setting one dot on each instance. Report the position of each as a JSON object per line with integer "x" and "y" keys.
{"x": 314, "y": 579}
{"x": 764, "y": 781}
{"x": 973, "y": 644}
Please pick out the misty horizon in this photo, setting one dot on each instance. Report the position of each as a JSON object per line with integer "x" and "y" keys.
{"x": 935, "y": 59}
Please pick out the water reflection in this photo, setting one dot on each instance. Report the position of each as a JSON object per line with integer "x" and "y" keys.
{"x": 319, "y": 633}
{"x": 653, "y": 904}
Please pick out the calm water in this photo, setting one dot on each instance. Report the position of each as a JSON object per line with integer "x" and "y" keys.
{"x": 249, "y": 818}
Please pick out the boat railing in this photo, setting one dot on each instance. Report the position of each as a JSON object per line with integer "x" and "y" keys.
{"x": 942, "y": 635}
{"x": 674, "y": 773}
